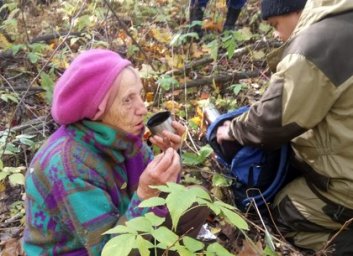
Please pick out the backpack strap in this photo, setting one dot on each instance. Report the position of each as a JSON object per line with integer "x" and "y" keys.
{"x": 277, "y": 183}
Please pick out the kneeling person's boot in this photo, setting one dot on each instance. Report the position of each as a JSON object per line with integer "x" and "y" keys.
{"x": 196, "y": 14}
{"x": 232, "y": 17}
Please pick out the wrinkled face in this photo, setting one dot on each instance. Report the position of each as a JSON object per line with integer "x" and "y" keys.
{"x": 128, "y": 110}
{"x": 284, "y": 24}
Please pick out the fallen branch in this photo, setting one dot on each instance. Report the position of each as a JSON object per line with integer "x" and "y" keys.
{"x": 6, "y": 55}
{"x": 24, "y": 88}
{"x": 47, "y": 38}
{"x": 35, "y": 124}
{"x": 221, "y": 78}
{"x": 238, "y": 53}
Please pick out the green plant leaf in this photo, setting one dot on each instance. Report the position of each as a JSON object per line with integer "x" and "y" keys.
{"x": 47, "y": 83}
{"x": 215, "y": 208}
{"x": 120, "y": 245}
{"x": 9, "y": 97}
{"x": 165, "y": 236}
{"x": 192, "y": 244}
{"x": 166, "y": 82}
{"x": 131, "y": 50}
{"x": 219, "y": 180}
{"x": 10, "y": 169}
{"x": 199, "y": 193}
{"x": 120, "y": 229}
{"x": 17, "y": 179}
{"x": 269, "y": 241}
{"x": 38, "y": 47}
{"x": 140, "y": 224}
{"x": 206, "y": 151}
{"x": 213, "y": 46}
{"x": 152, "y": 202}
{"x": 162, "y": 188}
{"x": 217, "y": 249}
{"x": 154, "y": 219}
{"x": 3, "y": 175}
{"x": 16, "y": 48}
{"x": 236, "y": 88}
{"x": 178, "y": 202}
{"x": 83, "y": 22}
{"x": 235, "y": 219}
{"x": 26, "y": 139}
{"x": 191, "y": 159}
{"x": 224, "y": 205}
{"x": 265, "y": 28}
{"x": 143, "y": 246}
{"x": 229, "y": 43}
{"x": 183, "y": 251}
{"x": 1, "y": 165}
{"x": 33, "y": 57}
{"x": 269, "y": 252}
{"x": 176, "y": 187}
{"x": 11, "y": 149}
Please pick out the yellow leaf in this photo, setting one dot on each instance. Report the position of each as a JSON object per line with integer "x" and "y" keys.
{"x": 258, "y": 55}
{"x": 171, "y": 105}
{"x": 199, "y": 111}
{"x": 149, "y": 96}
{"x": 161, "y": 35}
{"x": 175, "y": 61}
{"x": 196, "y": 120}
{"x": 206, "y": 49}
{"x": 4, "y": 43}
{"x": 2, "y": 186}
{"x": 196, "y": 52}
{"x": 60, "y": 62}
{"x": 146, "y": 71}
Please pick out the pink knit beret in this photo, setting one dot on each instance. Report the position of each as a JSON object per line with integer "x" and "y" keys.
{"x": 84, "y": 85}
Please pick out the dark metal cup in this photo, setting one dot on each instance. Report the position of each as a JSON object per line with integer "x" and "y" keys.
{"x": 159, "y": 122}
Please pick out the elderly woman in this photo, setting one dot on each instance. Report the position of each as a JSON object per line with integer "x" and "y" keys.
{"x": 95, "y": 169}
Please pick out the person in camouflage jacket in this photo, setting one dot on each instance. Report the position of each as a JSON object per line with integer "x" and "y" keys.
{"x": 309, "y": 104}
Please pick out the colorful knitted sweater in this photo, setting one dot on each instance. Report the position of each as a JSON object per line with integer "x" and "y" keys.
{"x": 79, "y": 184}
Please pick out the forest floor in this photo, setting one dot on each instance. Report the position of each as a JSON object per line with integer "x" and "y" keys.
{"x": 179, "y": 72}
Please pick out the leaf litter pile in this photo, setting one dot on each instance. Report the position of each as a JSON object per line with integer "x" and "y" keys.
{"x": 180, "y": 73}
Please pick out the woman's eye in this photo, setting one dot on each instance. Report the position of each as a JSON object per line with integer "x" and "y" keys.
{"x": 127, "y": 100}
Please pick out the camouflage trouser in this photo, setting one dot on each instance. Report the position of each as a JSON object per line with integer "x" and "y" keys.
{"x": 310, "y": 221}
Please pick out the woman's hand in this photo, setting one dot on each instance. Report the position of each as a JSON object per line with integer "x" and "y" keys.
{"x": 223, "y": 132}
{"x": 163, "y": 168}
{"x": 169, "y": 139}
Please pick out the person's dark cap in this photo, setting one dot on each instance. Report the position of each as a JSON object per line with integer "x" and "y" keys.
{"x": 271, "y": 8}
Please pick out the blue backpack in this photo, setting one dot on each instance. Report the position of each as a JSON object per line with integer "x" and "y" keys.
{"x": 258, "y": 174}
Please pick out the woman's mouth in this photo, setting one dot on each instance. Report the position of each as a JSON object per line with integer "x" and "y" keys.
{"x": 140, "y": 125}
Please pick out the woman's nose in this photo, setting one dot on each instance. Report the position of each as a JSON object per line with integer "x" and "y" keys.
{"x": 141, "y": 109}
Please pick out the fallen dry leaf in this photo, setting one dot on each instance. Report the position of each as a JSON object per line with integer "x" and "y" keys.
{"x": 161, "y": 35}
{"x": 171, "y": 105}
{"x": 251, "y": 249}
{"x": 12, "y": 247}
{"x": 211, "y": 25}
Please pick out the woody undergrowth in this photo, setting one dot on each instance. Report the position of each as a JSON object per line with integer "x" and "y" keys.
{"x": 180, "y": 73}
